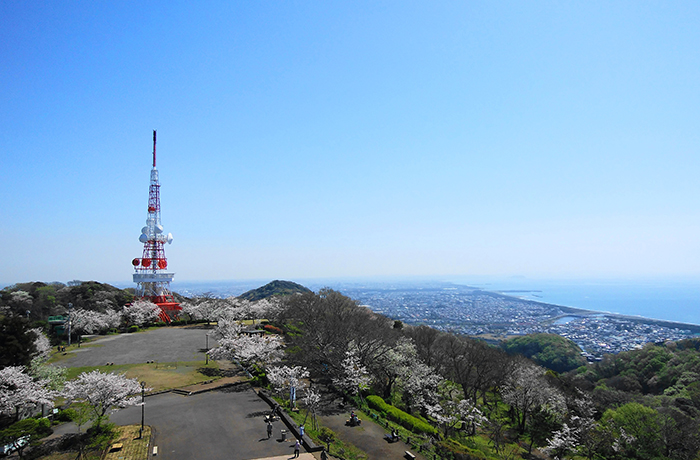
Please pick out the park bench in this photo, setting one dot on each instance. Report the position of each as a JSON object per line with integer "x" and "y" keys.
{"x": 410, "y": 455}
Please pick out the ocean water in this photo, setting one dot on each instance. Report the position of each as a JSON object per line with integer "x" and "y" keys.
{"x": 673, "y": 300}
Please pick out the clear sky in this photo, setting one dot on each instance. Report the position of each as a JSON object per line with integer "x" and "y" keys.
{"x": 303, "y": 139}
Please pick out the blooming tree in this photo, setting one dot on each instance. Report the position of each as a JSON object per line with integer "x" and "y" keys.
{"x": 420, "y": 385}
{"x": 354, "y": 377}
{"x": 288, "y": 378}
{"x": 141, "y": 312}
{"x": 312, "y": 401}
{"x": 52, "y": 377}
{"x": 20, "y": 394}
{"x": 101, "y": 391}
{"x": 227, "y": 328}
{"x": 248, "y": 350}
{"x": 265, "y": 308}
{"x": 578, "y": 432}
{"x": 527, "y": 390}
{"x": 42, "y": 344}
{"x": 21, "y": 300}
{"x": 90, "y": 321}
{"x": 450, "y": 414}
{"x": 206, "y": 307}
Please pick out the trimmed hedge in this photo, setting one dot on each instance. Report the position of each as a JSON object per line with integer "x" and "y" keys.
{"x": 407, "y": 421}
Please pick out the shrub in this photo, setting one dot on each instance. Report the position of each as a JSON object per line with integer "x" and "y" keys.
{"x": 407, "y": 421}
{"x": 65, "y": 415}
{"x": 133, "y": 328}
{"x": 456, "y": 451}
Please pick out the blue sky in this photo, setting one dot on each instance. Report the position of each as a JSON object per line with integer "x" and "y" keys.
{"x": 342, "y": 139}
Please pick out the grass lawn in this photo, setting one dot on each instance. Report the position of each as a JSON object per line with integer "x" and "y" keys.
{"x": 134, "y": 448}
{"x": 159, "y": 376}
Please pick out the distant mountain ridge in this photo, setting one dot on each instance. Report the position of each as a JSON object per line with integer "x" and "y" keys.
{"x": 276, "y": 287}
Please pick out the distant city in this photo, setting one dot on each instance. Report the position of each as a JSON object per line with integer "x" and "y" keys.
{"x": 496, "y": 316}
{"x": 492, "y": 316}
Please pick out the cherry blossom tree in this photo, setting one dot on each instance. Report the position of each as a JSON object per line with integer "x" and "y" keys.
{"x": 420, "y": 385}
{"x": 449, "y": 414}
{"x": 265, "y": 308}
{"x": 141, "y": 312}
{"x": 20, "y": 394}
{"x": 312, "y": 401}
{"x": 101, "y": 391}
{"x": 42, "y": 344}
{"x": 52, "y": 377}
{"x": 228, "y": 327}
{"x": 354, "y": 376}
{"x": 206, "y": 307}
{"x": 248, "y": 350}
{"x": 287, "y": 378}
{"x": 21, "y": 300}
{"x": 87, "y": 321}
{"x": 578, "y": 432}
{"x": 527, "y": 390}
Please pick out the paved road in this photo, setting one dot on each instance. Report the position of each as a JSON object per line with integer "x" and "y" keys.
{"x": 217, "y": 425}
{"x": 167, "y": 344}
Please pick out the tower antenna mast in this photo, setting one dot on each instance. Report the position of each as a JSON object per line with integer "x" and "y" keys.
{"x": 153, "y": 283}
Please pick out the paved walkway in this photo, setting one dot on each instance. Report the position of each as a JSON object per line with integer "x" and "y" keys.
{"x": 165, "y": 345}
{"x": 369, "y": 436}
{"x": 304, "y": 456}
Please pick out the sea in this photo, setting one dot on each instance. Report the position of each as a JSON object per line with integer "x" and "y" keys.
{"x": 667, "y": 299}
{"x": 676, "y": 299}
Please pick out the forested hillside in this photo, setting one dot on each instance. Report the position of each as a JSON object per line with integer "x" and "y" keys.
{"x": 549, "y": 350}
{"x": 274, "y": 288}
{"x": 42, "y": 300}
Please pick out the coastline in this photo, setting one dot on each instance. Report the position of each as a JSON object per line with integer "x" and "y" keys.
{"x": 582, "y": 312}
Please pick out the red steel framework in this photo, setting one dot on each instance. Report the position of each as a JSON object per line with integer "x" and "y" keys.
{"x": 153, "y": 283}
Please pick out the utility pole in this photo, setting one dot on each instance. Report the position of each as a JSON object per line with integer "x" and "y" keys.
{"x": 70, "y": 307}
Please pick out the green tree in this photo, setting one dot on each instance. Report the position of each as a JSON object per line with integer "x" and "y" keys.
{"x": 24, "y": 433}
{"x": 636, "y": 431}
{"x": 16, "y": 341}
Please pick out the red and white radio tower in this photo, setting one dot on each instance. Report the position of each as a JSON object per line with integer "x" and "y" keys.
{"x": 153, "y": 283}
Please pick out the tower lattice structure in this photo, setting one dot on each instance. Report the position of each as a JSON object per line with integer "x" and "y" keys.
{"x": 152, "y": 281}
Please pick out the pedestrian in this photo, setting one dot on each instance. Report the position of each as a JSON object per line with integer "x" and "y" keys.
{"x": 297, "y": 447}
{"x": 269, "y": 429}
{"x": 324, "y": 455}
{"x": 301, "y": 431}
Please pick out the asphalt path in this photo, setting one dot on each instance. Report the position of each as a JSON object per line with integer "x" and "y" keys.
{"x": 217, "y": 425}
{"x": 167, "y": 344}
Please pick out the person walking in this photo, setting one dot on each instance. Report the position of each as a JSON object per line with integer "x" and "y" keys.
{"x": 324, "y": 455}
{"x": 297, "y": 447}
{"x": 269, "y": 429}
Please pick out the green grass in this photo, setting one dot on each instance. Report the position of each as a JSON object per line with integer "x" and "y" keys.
{"x": 158, "y": 376}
